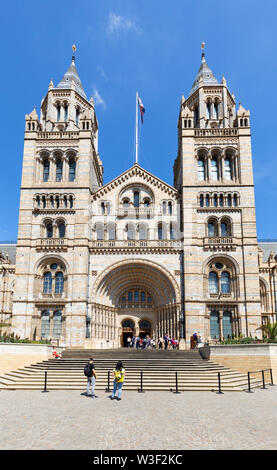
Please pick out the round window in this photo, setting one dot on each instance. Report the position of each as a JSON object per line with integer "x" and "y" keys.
{"x": 218, "y": 265}
{"x": 54, "y": 266}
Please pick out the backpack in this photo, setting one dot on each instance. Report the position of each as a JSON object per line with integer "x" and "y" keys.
{"x": 87, "y": 371}
{"x": 119, "y": 377}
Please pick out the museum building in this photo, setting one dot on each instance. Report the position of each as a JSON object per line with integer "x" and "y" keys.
{"x": 95, "y": 263}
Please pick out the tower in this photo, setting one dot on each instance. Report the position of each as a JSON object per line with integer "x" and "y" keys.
{"x": 61, "y": 170}
{"x": 214, "y": 174}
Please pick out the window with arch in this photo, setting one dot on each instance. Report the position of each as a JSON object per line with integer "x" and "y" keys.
{"x": 172, "y": 231}
{"x": 61, "y": 229}
{"x": 130, "y": 232}
{"x": 221, "y": 278}
{"x": 225, "y": 228}
{"x": 65, "y": 111}
{"x": 77, "y": 114}
{"x": 58, "y": 112}
{"x": 135, "y": 298}
{"x": 213, "y": 282}
{"x": 136, "y": 199}
{"x": 72, "y": 169}
{"x": 216, "y": 109}
{"x": 49, "y": 230}
{"x": 214, "y": 169}
{"x": 46, "y": 170}
{"x": 212, "y": 228}
{"x": 59, "y": 283}
{"x": 111, "y": 231}
{"x": 201, "y": 169}
{"x": 161, "y": 232}
{"x": 47, "y": 283}
{"x": 100, "y": 232}
{"x": 208, "y": 110}
{"x": 59, "y": 169}
{"x": 228, "y": 168}
{"x": 142, "y": 232}
{"x": 263, "y": 296}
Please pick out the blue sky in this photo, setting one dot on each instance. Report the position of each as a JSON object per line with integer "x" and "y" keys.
{"x": 152, "y": 46}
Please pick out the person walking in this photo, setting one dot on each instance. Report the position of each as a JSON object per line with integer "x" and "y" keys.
{"x": 90, "y": 373}
{"x": 119, "y": 379}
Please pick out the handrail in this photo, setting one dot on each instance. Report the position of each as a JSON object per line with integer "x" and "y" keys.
{"x": 263, "y": 378}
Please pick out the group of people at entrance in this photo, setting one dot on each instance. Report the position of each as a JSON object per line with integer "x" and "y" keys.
{"x": 119, "y": 378}
{"x": 147, "y": 342}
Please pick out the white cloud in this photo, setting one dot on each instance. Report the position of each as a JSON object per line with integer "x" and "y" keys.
{"x": 98, "y": 100}
{"x": 117, "y": 23}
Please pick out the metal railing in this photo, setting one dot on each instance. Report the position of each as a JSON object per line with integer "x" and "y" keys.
{"x": 263, "y": 378}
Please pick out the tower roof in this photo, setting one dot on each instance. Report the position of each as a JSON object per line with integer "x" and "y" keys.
{"x": 71, "y": 76}
{"x": 205, "y": 75}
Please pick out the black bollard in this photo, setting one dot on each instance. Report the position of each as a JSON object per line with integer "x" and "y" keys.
{"x": 249, "y": 385}
{"x": 271, "y": 376}
{"x": 176, "y": 382}
{"x": 108, "y": 387}
{"x": 140, "y": 390}
{"x": 45, "y": 383}
{"x": 219, "y": 385}
{"x": 264, "y": 387}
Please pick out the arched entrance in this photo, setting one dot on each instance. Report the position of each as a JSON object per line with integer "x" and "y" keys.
{"x": 145, "y": 329}
{"x": 127, "y": 331}
{"x": 138, "y": 291}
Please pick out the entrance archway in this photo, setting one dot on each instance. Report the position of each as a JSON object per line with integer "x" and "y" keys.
{"x": 127, "y": 331}
{"x": 136, "y": 290}
{"x": 145, "y": 329}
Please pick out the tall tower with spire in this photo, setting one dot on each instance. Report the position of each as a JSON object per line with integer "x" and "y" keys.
{"x": 214, "y": 175}
{"x": 61, "y": 170}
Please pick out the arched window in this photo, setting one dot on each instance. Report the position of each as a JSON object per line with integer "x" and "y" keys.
{"x": 130, "y": 232}
{"x": 196, "y": 116}
{"x": 46, "y": 167}
{"x": 160, "y": 232}
{"x": 65, "y": 111}
{"x": 207, "y": 201}
{"x": 164, "y": 207}
{"x": 125, "y": 203}
{"x": 59, "y": 283}
{"x": 214, "y": 169}
{"x": 172, "y": 231}
{"x": 225, "y": 283}
{"x": 215, "y": 200}
{"x": 142, "y": 232}
{"x": 45, "y": 324}
{"x": 142, "y": 298}
{"x": 235, "y": 199}
{"x": 57, "y": 324}
{"x": 100, "y": 232}
{"x": 229, "y": 200}
{"x": 216, "y": 107}
{"x": 59, "y": 169}
{"x": 136, "y": 199}
{"x": 224, "y": 229}
{"x": 72, "y": 169}
{"x": 49, "y": 230}
{"x": 169, "y": 207}
{"x": 212, "y": 229}
{"x": 201, "y": 200}
{"x": 201, "y": 169}
{"x": 111, "y": 232}
{"x": 208, "y": 110}
{"x": 58, "y": 112}
{"x": 213, "y": 283}
{"x": 70, "y": 202}
{"x": 47, "y": 283}
{"x": 228, "y": 168}
{"x": 221, "y": 200}
{"x": 61, "y": 230}
{"x": 263, "y": 296}
{"x": 43, "y": 202}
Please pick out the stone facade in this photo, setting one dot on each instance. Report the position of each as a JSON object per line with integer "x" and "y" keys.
{"x": 97, "y": 263}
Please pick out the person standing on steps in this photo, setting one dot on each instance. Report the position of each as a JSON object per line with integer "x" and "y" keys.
{"x": 90, "y": 373}
{"x": 119, "y": 378}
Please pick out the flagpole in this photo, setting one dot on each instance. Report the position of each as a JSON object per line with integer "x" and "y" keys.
{"x": 136, "y": 127}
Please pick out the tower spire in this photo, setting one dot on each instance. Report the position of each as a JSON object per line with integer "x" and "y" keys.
{"x": 73, "y": 52}
{"x": 203, "y": 53}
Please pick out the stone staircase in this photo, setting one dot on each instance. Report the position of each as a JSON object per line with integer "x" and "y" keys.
{"x": 159, "y": 369}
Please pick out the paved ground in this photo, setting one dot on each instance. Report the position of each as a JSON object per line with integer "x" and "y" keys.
{"x": 152, "y": 421}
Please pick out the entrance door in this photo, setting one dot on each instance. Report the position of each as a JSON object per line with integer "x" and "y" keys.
{"x": 127, "y": 331}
